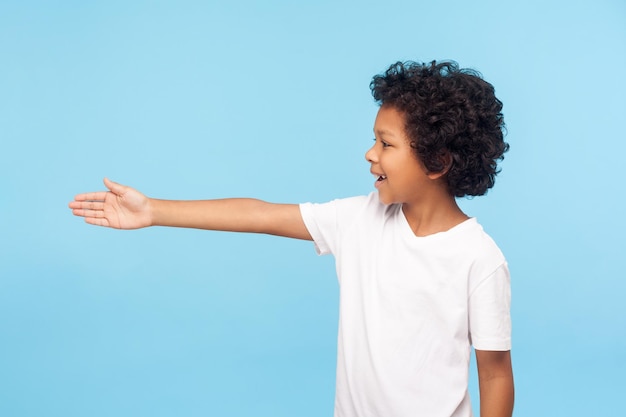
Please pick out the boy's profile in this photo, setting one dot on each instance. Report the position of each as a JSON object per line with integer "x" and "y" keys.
{"x": 420, "y": 281}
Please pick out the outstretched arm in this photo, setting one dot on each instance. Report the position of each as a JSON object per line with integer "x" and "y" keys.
{"x": 495, "y": 378}
{"x": 123, "y": 207}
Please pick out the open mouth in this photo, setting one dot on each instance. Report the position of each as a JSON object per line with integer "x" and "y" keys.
{"x": 379, "y": 180}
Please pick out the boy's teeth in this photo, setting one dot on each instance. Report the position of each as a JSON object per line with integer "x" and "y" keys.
{"x": 382, "y": 177}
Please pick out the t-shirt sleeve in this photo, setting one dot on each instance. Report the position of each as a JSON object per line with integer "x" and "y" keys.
{"x": 321, "y": 222}
{"x": 490, "y": 311}
{"x": 327, "y": 221}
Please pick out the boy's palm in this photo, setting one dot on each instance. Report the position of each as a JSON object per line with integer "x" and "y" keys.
{"x": 121, "y": 207}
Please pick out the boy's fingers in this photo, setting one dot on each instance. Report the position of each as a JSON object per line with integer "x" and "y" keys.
{"x": 97, "y": 196}
{"x": 90, "y": 205}
{"x": 87, "y": 213}
{"x": 97, "y": 221}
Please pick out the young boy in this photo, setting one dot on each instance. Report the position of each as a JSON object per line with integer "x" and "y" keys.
{"x": 420, "y": 281}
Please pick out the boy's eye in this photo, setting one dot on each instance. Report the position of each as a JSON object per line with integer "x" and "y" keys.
{"x": 382, "y": 142}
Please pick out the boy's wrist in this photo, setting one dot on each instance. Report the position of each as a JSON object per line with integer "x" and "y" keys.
{"x": 152, "y": 211}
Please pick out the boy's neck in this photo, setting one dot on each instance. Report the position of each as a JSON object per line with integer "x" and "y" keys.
{"x": 433, "y": 215}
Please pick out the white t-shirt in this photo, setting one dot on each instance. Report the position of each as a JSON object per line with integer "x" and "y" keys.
{"x": 410, "y": 307}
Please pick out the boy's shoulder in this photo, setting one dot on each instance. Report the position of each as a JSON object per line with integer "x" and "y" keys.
{"x": 479, "y": 241}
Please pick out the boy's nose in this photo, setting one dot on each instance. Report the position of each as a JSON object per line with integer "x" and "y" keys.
{"x": 370, "y": 155}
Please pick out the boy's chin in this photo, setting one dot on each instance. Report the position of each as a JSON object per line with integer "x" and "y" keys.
{"x": 384, "y": 200}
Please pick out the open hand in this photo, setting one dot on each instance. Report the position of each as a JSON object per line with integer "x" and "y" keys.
{"x": 121, "y": 207}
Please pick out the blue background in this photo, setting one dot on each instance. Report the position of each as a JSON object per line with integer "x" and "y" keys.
{"x": 270, "y": 99}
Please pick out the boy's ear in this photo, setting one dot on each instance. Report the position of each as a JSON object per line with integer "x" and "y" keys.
{"x": 445, "y": 159}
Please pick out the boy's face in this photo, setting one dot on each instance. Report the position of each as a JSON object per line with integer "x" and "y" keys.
{"x": 400, "y": 176}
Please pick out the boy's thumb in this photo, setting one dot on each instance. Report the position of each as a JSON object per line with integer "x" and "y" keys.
{"x": 114, "y": 187}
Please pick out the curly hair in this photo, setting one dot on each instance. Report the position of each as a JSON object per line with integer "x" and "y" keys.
{"x": 453, "y": 121}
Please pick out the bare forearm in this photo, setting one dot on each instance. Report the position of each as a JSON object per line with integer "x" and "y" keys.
{"x": 495, "y": 378}
{"x": 234, "y": 214}
{"x": 496, "y": 397}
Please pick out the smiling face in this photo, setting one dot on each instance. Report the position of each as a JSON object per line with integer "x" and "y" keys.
{"x": 400, "y": 175}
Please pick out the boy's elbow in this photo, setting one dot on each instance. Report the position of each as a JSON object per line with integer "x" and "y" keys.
{"x": 283, "y": 220}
